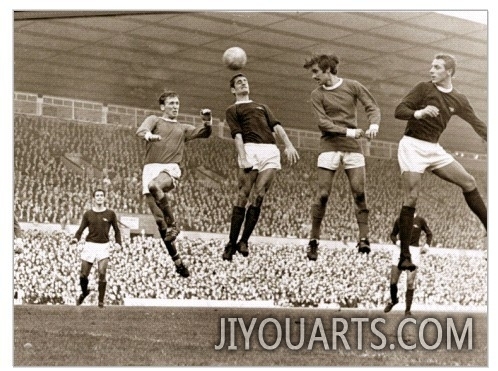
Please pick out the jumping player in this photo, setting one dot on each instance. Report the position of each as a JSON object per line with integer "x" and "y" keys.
{"x": 334, "y": 103}
{"x": 419, "y": 225}
{"x": 428, "y": 108}
{"x": 165, "y": 139}
{"x": 252, "y": 126}
{"x": 98, "y": 220}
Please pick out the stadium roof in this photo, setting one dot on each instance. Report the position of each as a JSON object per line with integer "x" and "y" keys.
{"x": 128, "y": 58}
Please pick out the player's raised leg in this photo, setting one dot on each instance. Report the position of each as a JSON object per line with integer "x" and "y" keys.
{"x": 158, "y": 188}
{"x": 162, "y": 227}
{"x": 455, "y": 173}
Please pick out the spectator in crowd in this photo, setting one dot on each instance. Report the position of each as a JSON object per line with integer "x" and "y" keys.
{"x": 199, "y": 206}
{"x": 141, "y": 269}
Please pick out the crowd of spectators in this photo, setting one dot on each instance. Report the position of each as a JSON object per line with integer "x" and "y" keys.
{"x": 47, "y": 271}
{"x": 48, "y": 192}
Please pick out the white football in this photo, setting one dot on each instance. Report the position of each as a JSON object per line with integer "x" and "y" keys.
{"x": 235, "y": 58}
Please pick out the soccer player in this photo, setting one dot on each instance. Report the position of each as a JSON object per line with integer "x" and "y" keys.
{"x": 98, "y": 220}
{"x": 253, "y": 127}
{"x": 419, "y": 225}
{"x": 334, "y": 103}
{"x": 165, "y": 139}
{"x": 428, "y": 108}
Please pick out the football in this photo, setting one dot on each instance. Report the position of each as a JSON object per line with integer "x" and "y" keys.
{"x": 235, "y": 58}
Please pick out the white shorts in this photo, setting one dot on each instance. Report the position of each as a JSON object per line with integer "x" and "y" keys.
{"x": 417, "y": 155}
{"x": 262, "y": 156}
{"x": 92, "y": 251}
{"x": 152, "y": 170}
{"x": 414, "y": 252}
{"x": 332, "y": 160}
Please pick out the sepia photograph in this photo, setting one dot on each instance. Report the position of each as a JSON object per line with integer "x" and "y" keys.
{"x": 236, "y": 187}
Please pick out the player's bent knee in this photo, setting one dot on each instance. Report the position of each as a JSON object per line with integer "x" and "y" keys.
{"x": 153, "y": 187}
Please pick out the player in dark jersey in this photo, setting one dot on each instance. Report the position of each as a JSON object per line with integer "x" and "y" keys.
{"x": 419, "y": 225}
{"x": 334, "y": 103}
{"x": 98, "y": 220}
{"x": 165, "y": 139}
{"x": 428, "y": 108}
{"x": 252, "y": 126}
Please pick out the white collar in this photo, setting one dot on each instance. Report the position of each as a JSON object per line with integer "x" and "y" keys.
{"x": 244, "y": 101}
{"x": 445, "y": 90}
{"x": 335, "y": 86}
{"x": 167, "y": 119}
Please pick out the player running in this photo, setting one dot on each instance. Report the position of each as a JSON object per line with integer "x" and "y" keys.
{"x": 252, "y": 126}
{"x": 98, "y": 220}
{"x": 165, "y": 139}
{"x": 428, "y": 108}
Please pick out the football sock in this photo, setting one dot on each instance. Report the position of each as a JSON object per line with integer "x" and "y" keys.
{"x": 102, "y": 286}
{"x": 405, "y": 228}
{"x": 409, "y": 299}
{"x": 394, "y": 292}
{"x": 172, "y": 250}
{"x": 252, "y": 216}
{"x": 317, "y": 214}
{"x": 362, "y": 219}
{"x": 84, "y": 284}
{"x": 238, "y": 214}
{"x": 476, "y": 204}
{"x": 166, "y": 209}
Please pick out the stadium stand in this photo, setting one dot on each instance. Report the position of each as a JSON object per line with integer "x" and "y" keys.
{"x": 45, "y": 272}
{"x": 51, "y": 187}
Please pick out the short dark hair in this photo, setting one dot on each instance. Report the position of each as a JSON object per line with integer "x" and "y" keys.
{"x": 232, "y": 80}
{"x": 165, "y": 95}
{"x": 98, "y": 190}
{"x": 449, "y": 61}
{"x": 324, "y": 61}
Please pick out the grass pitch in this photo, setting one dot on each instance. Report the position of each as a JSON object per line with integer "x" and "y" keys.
{"x": 157, "y": 336}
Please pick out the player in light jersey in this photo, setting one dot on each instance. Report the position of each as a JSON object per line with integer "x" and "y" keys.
{"x": 253, "y": 127}
{"x": 98, "y": 220}
{"x": 428, "y": 108}
{"x": 165, "y": 139}
{"x": 334, "y": 103}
